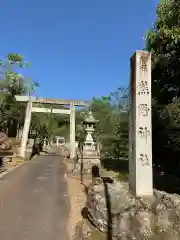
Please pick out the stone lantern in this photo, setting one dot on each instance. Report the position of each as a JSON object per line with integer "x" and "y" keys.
{"x": 90, "y": 156}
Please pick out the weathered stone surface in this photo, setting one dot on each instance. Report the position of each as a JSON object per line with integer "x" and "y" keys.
{"x": 154, "y": 218}
{"x": 4, "y": 142}
{"x": 85, "y": 231}
{"x": 65, "y": 152}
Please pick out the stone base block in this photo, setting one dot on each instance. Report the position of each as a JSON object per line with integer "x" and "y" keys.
{"x": 95, "y": 161}
{"x": 89, "y": 162}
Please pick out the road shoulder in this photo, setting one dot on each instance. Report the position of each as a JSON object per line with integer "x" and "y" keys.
{"x": 77, "y": 198}
{"x": 11, "y": 165}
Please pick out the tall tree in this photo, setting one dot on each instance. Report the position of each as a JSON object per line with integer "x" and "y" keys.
{"x": 163, "y": 40}
{"x": 13, "y": 83}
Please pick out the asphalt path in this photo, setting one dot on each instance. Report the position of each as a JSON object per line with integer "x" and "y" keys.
{"x": 34, "y": 202}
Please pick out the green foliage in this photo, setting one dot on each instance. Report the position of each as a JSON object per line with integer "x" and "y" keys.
{"x": 171, "y": 118}
{"x": 79, "y": 125}
{"x": 12, "y": 83}
{"x": 112, "y": 127}
{"x": 45, "y": 125}
{"x": 163, "y": 40}
{"x": 102, "y": 111}
{"x": 16, "y": 58}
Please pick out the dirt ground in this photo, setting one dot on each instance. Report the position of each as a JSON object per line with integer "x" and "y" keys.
{"x": 15, "y": 162}
{"x": 77, "y": 197}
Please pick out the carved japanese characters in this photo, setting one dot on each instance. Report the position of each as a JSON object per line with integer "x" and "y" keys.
{"x": 143, "y": 110}
{"x": 143, "y": 63}
{"x": 143, "y": 88}
{"x": 144, "y": 133}
{"x": 144, "y": 159}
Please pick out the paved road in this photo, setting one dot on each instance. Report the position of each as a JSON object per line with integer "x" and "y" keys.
{"x": 33, "y": 201}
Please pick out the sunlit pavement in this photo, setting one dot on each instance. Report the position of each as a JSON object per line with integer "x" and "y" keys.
{"x": 34, "y": 202}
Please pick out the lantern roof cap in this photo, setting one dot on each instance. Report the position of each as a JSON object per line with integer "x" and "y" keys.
{"x": 90, "y": 118}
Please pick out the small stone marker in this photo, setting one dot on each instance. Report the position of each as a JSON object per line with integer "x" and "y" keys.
{"x": 140, "y": 132}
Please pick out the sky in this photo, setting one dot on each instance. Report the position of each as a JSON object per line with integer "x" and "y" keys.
{"x": 78, "y": 49}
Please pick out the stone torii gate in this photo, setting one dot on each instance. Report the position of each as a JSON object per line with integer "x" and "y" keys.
{"x": 29, "y": 109}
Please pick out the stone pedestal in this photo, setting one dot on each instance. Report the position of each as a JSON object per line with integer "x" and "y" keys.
{"x": 140, "y": 135}
{"x": 90, "y": 157}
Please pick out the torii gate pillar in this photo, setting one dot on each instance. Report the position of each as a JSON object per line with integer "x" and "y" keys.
{"x": 26, "y": 129}
{"x": 72, "y": 132}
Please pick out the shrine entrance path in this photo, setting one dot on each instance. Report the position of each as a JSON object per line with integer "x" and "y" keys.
{"x": 34, "y": 202}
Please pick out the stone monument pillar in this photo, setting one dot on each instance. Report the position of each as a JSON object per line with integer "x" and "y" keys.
{"x": 72, "y": 132}
{"x": 90, "y": 155}
{"x": 140, "y": 133}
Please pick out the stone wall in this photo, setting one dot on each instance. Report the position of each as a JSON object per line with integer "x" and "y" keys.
{"x": 113, "y": 209}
